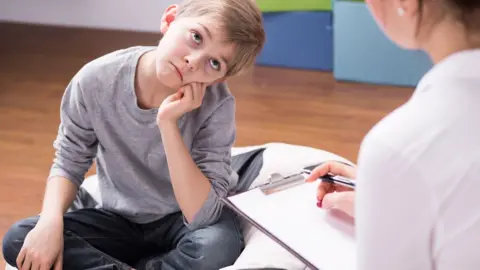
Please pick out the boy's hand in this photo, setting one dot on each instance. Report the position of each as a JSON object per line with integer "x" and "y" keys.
{"x": 43, "y": 247}
{"x": 185, "y": 100}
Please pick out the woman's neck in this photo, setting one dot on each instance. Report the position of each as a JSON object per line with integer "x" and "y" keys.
{"x": 447, "y": 38}
{"x": 149, "y": 91}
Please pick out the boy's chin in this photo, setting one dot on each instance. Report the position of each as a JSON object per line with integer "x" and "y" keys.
{"x": 169, "y": 81}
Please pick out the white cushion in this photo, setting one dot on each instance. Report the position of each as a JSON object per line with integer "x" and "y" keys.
{"x": 91, "y": 186}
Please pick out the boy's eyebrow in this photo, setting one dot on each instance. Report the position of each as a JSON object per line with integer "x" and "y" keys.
{"x": 206, "y": 30}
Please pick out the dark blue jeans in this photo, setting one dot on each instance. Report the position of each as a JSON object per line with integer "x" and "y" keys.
{"x": 97, "y": 239}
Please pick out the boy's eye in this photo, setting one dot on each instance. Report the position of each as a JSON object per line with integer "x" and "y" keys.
{"x": 215, "y": 64}
{"x": 196, "y": 37}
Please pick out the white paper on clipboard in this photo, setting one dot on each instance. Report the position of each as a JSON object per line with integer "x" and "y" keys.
{"x": 323, "y": 239}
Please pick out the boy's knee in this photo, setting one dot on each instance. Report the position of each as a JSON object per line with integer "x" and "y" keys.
{"x": 14, "y": 238}
{"x": 218, "y": 245}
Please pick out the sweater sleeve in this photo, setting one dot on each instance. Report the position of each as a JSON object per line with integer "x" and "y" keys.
{"x": 76, "y": 142}
{"x": 212, "y": 154}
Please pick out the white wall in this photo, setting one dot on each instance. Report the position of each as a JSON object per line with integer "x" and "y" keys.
{"x": 136, "y": 15}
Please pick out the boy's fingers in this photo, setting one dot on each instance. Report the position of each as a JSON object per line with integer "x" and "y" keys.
{"x": 203, "y": 89}
{"x": 59, "y": 262}
{"x": 181, "y": 91}
{"x": 174, "y": 97}
{"x": 194, "y": 87}
{"x": 188, "y": 93}
{"x": 27, "y": 263}
{"x": 198, "y": 92}
{"x": 179, "y": 94}
{"x": 21, "y": 258}
{"x": 35, "y": 265}
{"x": 201, "y": 95}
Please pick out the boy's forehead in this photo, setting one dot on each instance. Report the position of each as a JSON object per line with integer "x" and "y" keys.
{"x": 210, "y": 24}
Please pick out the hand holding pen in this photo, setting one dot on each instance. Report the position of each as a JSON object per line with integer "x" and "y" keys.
{"x": 336, "y": 189}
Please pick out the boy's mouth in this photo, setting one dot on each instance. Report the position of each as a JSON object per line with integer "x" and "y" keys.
{"x": 178, "y": 71}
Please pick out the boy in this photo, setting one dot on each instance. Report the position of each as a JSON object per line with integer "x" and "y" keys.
{"x": 163, "y": 161}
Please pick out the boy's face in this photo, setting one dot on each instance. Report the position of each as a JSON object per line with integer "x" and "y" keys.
{"x": 191, "y": 50}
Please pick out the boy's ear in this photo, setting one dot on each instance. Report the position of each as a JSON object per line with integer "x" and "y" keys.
{"x": 168, "y": 17}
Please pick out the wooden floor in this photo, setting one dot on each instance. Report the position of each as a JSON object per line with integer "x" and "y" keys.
{"x": 274, "y": 105}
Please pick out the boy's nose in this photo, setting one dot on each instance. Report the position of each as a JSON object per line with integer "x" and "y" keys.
{"x": 192, "y": 62}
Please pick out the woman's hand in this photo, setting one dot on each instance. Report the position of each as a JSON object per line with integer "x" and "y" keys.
{"x": 332, "y": 195}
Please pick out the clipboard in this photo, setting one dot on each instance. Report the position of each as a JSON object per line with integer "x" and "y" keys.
{"x": 250, "y": 220}
{"x": 282, "y": 189}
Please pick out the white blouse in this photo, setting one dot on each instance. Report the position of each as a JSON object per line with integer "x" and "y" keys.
{"x": 418, "y": 193}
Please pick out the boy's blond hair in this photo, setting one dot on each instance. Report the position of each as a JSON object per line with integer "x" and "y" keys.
{"x": 242, "y": 22}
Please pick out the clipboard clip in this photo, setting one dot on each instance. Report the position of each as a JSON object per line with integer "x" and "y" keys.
{"x": 277, "y": 182}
